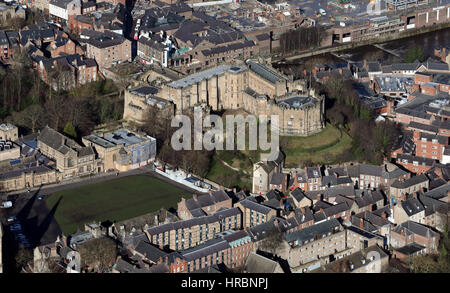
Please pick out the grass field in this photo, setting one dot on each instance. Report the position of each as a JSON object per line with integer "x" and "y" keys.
{"x": 225, "y": 176}
{"x": 114, "y": 200}
{"x": 319, "y": 147}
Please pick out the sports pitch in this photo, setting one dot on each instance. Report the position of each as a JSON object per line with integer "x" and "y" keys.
{"x": 114, "y": 200}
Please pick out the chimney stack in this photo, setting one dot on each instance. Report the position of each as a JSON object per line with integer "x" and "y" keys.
{"x": 194, "y": 196}
{"x": 384, "y": 215}
{"x": 361, "y": 223}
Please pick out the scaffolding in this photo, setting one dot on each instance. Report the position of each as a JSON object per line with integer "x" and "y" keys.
{"x": 404, "y": 4}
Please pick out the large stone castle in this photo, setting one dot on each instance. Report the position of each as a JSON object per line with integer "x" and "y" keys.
{"x": 253, "y": 87}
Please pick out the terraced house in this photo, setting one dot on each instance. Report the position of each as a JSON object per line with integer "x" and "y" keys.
{"x": 107, "y": 48}
{"x": 203, "y": 205}
{"x": 254, "y": 213}
{"x": 190, "y": 233}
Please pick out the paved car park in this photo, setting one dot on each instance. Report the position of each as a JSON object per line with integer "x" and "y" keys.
{"x": 30, "y": 221}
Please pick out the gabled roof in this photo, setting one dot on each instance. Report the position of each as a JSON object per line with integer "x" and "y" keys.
{"x": 430, "y": 204}
{"x": 312, "y": 232}
{"x": 277, "y": 178}
{"x": 298, "y": 194}
{"x": 256, "y": 263}
{"x": 207, "y": 200}
{"x": 246, "y": 203}
{"x": 151, "y": 252}
{"x": 409, "y": 182}
{"x": 412, "y": 206}
{"x": 439, "y": 192}
{"x": 274, "y": 194}
{"x": 57, "y": 141}
{"x": 410, "y": 228}
{"x": 208, "y": 248}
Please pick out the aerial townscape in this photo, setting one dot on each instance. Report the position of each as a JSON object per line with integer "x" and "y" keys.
{"x": 357, "y": 96}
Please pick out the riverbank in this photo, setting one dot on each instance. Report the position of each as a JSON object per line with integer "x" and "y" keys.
{"x": 293, "y": 58}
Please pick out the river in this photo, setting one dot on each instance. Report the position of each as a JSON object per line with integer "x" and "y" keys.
{"x": 428, "y": 42}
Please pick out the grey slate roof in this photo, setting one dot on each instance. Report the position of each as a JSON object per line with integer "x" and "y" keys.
{"x": 277, "y": 178}
{"x": 421, "y": 160}
{"x": 221, "y": 214}
{"x": 410, "y": 228}
{"x": 410, "y": 182}
{"x": 265, "y": 72}
{"x": 274, "y": 194}
{"x": 336, "y": 209}
{"x": 298, "y": 194}
{"x": 410, "y": 248}
{"x": 312, "y": 232}
{"x": 439, "y": 192}
{"x": 256, "y": 263}
{"x": 425, "y": 127}
{"x": 149, "y": 251}
{"x": 207, "y": 200}
{"x": 412, "y": 206}
{"x": 246, "y": 203}
{"x": 372, "y": 170}
{"x": 430, "y": 204}
{"x": 205, "y": 249}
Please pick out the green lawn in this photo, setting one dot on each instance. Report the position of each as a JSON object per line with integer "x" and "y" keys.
{"x": 328, "y": 136}
{"x": 225, "y": 176}
{"x": 319, "y": 147}
{"x": 321, "y": 154}
{"x": 114, "y": 200}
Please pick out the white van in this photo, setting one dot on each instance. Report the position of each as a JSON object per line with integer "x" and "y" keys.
{"x": 6, "y": 204}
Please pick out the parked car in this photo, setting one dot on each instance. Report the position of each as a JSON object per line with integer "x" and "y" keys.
{"x": 12, "y": 219}
{"x": 20, "y": 236}
{"x": 6, "y": 204}
{"x": 40, "y": 197}
{"x": 15, "y": 227}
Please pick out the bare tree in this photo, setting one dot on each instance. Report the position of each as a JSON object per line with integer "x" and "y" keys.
{"x": 273, "y": 241}
{"x": 98, "y": 254}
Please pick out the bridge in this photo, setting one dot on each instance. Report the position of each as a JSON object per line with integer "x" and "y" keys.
{"x": 387, "y": 51}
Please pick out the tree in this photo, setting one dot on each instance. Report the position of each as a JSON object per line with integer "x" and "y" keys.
{"x": 69, "y": 130}
{"x": 273, "y": 241}
{"x": 413, "y": 54}
{"x": 23, "y": 257}
{"x": 33, "y": 117}
{"x": 98, "y": 254}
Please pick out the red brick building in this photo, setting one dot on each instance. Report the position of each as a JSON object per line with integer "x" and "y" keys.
{"x": 414, "y": 164}
{"x": 5, "y": 52}
{"x": 412, "y": 232}
{"x": 241, "y": 246}
{"x": 429, "y": 145}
